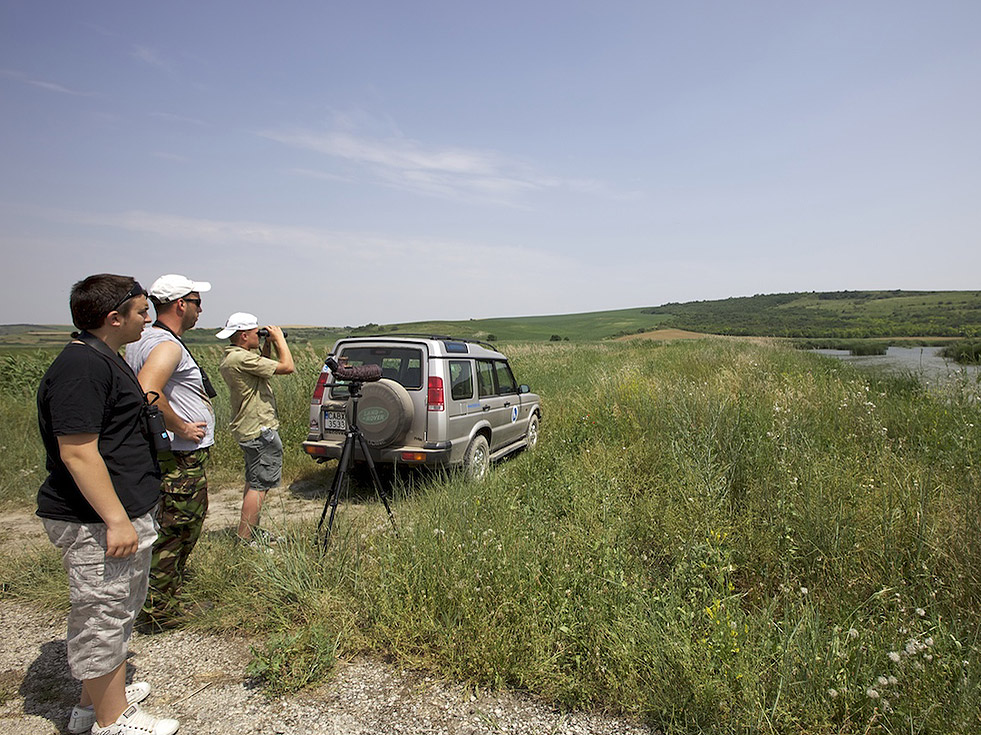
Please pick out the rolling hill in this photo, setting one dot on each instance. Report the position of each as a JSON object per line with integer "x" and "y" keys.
{"x": 837, "y": 314}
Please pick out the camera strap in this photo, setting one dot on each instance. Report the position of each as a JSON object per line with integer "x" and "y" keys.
{"x": 116, "y": 360}
{"x": 208, "y": 388}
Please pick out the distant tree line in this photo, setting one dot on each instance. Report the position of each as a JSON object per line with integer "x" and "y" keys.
{"x": 777, "y": 315}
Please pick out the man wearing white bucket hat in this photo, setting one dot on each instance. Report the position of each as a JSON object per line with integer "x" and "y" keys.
{"x": 255, "y": 423}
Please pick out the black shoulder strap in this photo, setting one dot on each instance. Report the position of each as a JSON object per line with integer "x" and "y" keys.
{"x": 205, "y": 381}
{"x": 111, "y": 356}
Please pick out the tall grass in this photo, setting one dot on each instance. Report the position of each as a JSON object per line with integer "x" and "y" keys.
{"x": 22, "y": 470}
{"x": 714, "y": 536}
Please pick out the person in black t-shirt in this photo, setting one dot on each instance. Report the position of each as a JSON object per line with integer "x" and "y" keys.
{"x": 99, "y": 499}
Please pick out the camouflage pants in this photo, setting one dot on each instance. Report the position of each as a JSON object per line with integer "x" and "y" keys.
{"x": 183, "y": 504}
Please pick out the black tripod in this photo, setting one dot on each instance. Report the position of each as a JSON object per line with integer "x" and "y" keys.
{"x": 344, "y": 465}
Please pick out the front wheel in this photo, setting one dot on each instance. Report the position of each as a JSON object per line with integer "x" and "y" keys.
{"x": 477, "y": 458}
{"x": 532, "y": 438}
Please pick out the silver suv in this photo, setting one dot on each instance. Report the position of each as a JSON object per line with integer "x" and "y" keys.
{"x": 440, "y": 401}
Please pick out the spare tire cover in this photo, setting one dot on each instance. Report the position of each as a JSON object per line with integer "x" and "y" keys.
{"x": 384, "y": 412}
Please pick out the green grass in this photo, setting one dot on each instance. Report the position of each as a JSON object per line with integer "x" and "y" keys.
{"x": 574, "y": 327}
{"x": 23, "y": 471}
{"x": 714, "y": 536}
{"x": 967, "y": 352}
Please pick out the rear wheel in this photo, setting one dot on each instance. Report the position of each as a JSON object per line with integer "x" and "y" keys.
{"x": 477, "y": 458}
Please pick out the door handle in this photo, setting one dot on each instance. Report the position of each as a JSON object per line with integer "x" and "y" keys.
{"x": 486, "y": 408}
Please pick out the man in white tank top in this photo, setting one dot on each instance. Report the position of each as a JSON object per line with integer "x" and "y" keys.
{"x": 165, "y": 366}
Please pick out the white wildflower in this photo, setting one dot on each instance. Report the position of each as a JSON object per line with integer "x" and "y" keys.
{"x": 894, "y": 657}
{"x": 883, "y": 681}
{"x": 872, "y": 693}
{"x": 833, "y": 693}
{"x": 852, "y": 633}
{"x": 920, "y": 611}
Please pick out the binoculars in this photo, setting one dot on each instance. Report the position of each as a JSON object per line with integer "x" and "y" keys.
{"x": 263, "y": 333}
{"x": 156, "y": 428}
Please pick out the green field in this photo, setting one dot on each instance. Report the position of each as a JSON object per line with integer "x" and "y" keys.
{"x": 715, "y": 536}
{"x": 574, "y": 327}
{"x": 840, "y": 315}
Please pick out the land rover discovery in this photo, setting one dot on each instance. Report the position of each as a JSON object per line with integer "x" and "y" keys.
{"x": 440, "y": 401}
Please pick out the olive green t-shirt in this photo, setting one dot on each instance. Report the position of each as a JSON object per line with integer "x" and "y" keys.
{"x": 253, "y": 403}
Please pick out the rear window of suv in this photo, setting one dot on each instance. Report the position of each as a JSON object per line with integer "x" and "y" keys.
{"x": 461, "y": 380}
{"x": 401, "y": 364}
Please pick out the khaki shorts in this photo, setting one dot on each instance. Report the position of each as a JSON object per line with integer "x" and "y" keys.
{"x": 105, "y": 592}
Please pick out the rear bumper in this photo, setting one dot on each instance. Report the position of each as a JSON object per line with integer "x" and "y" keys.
{"x": 430, "y": 454}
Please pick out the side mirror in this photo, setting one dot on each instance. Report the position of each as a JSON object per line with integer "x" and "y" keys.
{"x": 524, "y": 389}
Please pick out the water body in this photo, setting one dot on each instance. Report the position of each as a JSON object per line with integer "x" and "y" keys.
{"x": 925, "y": 362}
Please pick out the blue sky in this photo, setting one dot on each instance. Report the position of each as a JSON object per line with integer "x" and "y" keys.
{"x": 338, "y": 163}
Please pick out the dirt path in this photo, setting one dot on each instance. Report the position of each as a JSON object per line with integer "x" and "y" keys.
{"x": 20, "y": 525}
{"x": 200, "y": 679}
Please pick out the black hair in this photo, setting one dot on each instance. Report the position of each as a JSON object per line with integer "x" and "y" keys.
{"x": 93, "y": 298}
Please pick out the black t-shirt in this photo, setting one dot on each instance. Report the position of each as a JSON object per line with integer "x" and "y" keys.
{"x": 83, "y": 393}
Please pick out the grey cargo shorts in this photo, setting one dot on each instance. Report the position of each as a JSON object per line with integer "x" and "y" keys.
{"x": 105, "y": 592}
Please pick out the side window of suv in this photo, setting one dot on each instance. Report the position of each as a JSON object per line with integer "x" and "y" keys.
{"x": 505, "y": 379}
{"x": 461, "y": 380}
{"x": 485, "y": 378}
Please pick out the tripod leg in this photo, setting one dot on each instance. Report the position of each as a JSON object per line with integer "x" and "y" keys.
{"x": 335, "y": 489}
{"x": 379, "y": 490}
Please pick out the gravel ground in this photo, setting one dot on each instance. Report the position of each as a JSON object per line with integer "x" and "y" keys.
{"x": 200, "y": 680}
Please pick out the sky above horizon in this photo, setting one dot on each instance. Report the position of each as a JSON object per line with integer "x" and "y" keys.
{"x": 336, "y": 164}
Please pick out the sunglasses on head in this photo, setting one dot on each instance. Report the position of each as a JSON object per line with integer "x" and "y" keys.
{"x": 137, "y": 290}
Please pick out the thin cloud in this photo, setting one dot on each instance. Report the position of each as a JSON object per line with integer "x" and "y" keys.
{"x": 196, "y": 230}
{"x": 171, "y": 117}
{"x": 446, "y": 172}
{"x": 170, "y": 156}
{"x": 42, "y": 83}
{"x": 150, "y": 56}
{"x": 314, "y": 241}
{"x": 322, "y": 175}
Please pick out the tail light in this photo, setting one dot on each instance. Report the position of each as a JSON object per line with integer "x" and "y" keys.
{"x": 318, "y": 391}
{"x": 434, "y": 396}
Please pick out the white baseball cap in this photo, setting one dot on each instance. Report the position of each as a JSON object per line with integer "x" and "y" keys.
{"x": 172, "y": 287}
{"x": 238, "y": 322}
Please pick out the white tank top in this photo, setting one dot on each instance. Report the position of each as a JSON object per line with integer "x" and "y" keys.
{"x": 185, "y": 389}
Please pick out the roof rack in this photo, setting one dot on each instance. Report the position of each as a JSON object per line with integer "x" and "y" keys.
{"x": 427, "y": 335}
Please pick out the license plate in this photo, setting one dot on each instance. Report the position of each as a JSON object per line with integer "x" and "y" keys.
{"x": 335, "y": 421}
